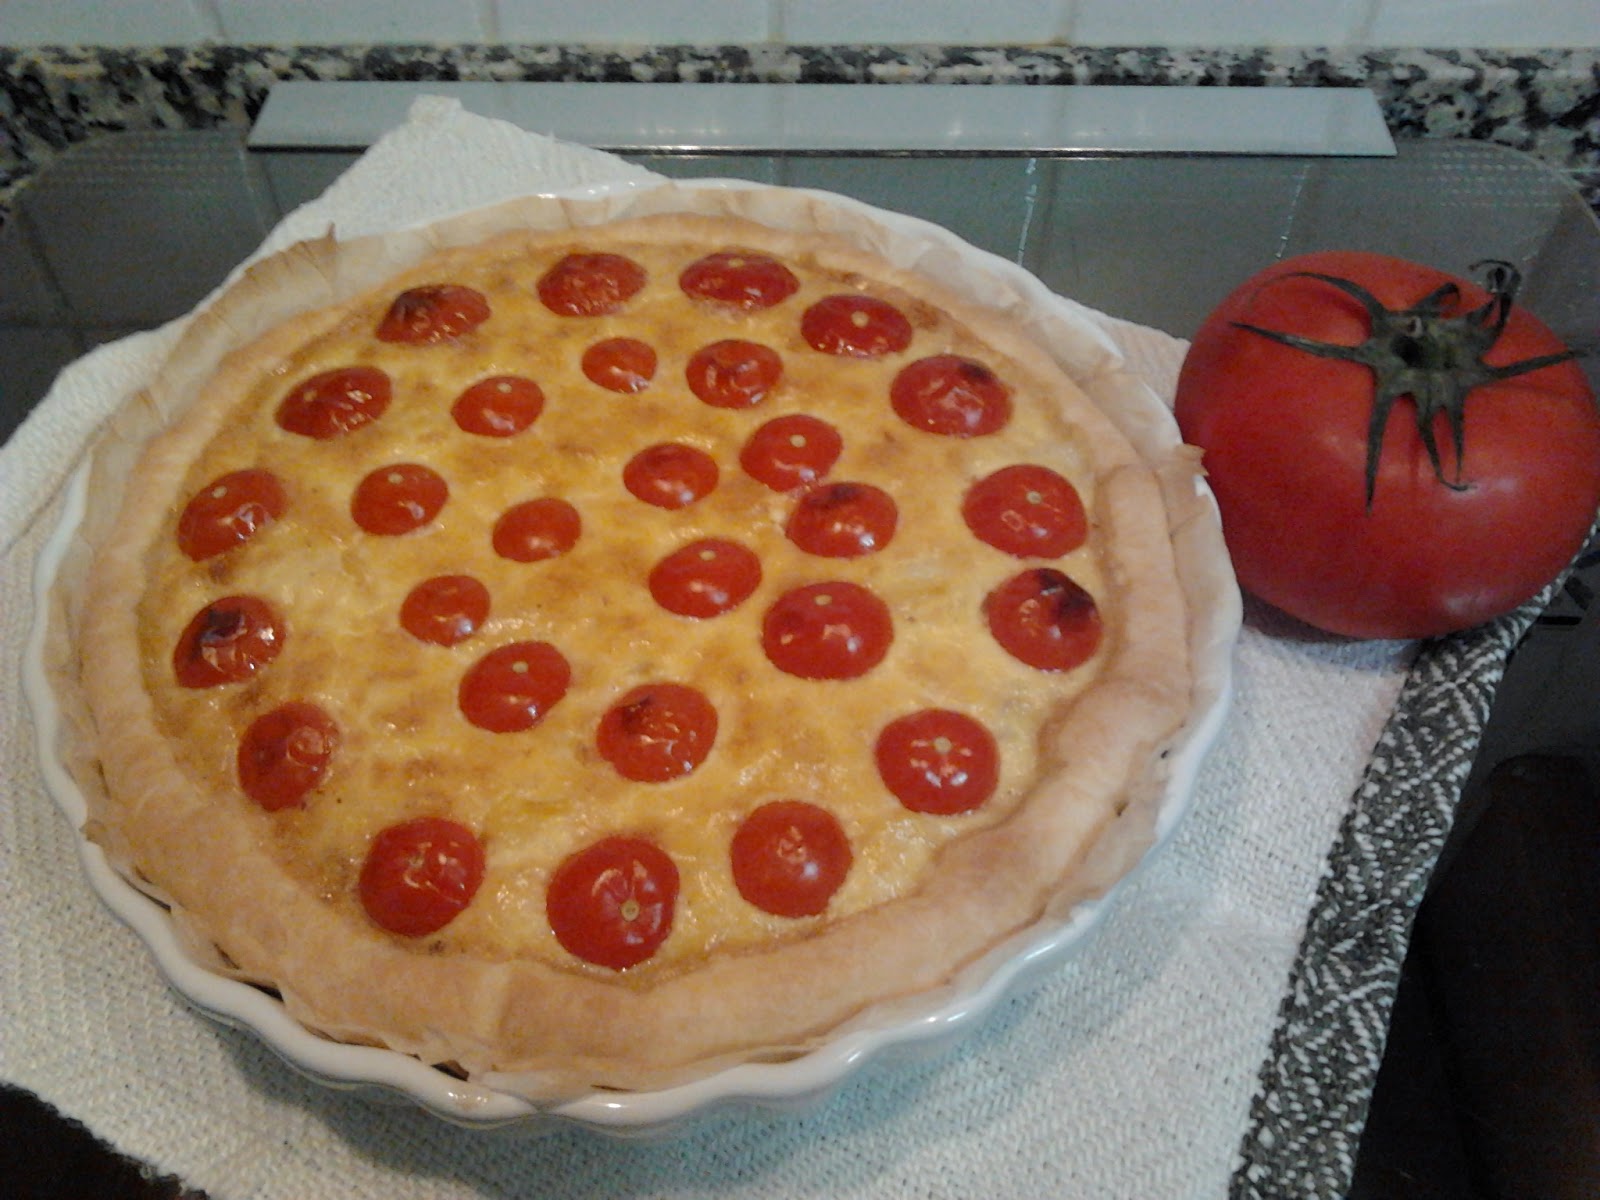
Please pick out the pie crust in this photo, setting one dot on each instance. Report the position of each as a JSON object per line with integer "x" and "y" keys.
{"x": 270, "y": 895}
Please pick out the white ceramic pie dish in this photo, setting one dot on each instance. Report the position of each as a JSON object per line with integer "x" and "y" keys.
{"x": 931, "y": 1019}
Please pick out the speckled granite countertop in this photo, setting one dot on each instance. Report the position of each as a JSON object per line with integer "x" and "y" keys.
{"x": 1544, "y": 102}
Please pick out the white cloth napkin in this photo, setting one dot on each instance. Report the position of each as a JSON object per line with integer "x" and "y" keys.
{"x": 1127, "y": 1072}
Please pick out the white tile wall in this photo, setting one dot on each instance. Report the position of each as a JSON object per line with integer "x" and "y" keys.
{"x": 1435, "y": 23}
{"x": 1218, "y": 23}
{"x": 1484, "y": 23}
{"x": 105, "y": 22}
{"x": 701, "y": 22}
{"x": 891, "y": 22}
{"x": 318, "y": 21}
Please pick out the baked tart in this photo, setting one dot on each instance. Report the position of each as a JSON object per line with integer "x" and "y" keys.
{"x": 590, "y": 650}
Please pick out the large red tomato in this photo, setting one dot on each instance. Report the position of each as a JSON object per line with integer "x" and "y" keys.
{"x": 1317, "y": 443}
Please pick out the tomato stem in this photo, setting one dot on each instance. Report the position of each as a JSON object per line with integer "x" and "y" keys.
{"x": 1428, "y": 352}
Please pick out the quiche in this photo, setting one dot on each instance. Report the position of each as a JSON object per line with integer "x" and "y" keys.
{"x": 596, "y": 655}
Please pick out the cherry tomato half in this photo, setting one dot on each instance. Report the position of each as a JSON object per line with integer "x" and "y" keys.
{"x": 398, "y": 499}
{"x": 624, "y": 365}
{"x": 855, "y": 326}
{"x": 590, "y": 285}
{"x": 791, "y": 451}
{"x": 445, "y": 610}
{"x": 285, "y": 753}
{"x": 733, "y": 373}
{"x": 843, "y": 520}
{"x": 537, "y": 529}
{"x": 740, "y": 280}
{"x": 435, "y": 312}
{"x": 670, "y": 475}
{"x": 499, "y": 406}
{"x": 420, "y": 875}
{"x": 938, "y": 761}
{"x": 951, "y": 395}
{"x": 511, "y": 688}
{"x": 227, "y": 641}
{"x": 1027, "y": 511}
{"x": 706, "y": 578}
{"x": 1045, "y": 619}
{"x": 657, "y": 732}
{"x": 229, "y": 511}
{"x": 789, "y": 858}
{"x": 831, "y": 630}
{"x": 335, "y": 402}
{"x": 612, "y": 904}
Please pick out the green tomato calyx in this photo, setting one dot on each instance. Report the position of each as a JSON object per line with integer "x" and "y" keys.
{"x": 1429, "y": 352}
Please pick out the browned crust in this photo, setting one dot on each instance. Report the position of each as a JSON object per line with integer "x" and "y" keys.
{"x": 559, "y": 1031}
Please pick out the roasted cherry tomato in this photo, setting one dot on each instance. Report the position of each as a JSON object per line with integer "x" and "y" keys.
{"x": 1396, "y": 452}
{"x": 511, "y": 688}
{"x": 612, "y": 904}
{"x": 229, "y": 511}
{"x": 790, "y": 452}
{"x": 789, "y": 858}
{"x": 398, "y": 499}
{"x": 671, "y": 475}
{"x": 1045, "y": 619}
{"x": 435, "y": 312}
{"x": 625, "y": 365}
{"x": 951, "y": 395}
{"x": 657, "y": 732}
{"x": 590, "y": 285}
{"x": 335, "y": 402}
{"x": 285, "y": 753}
{"x": 499, "y": 406}
{"x": 739, "y": 280}
{"x": 420, "y": 875}
{"x": 733, "y": 373}
{"x": 445, "y": 610}
{"x": 855, "y": 327}
{"x": 938, "y": 761}
{"x": 705, "y": 578}
{"x": 843, "y": 520}
{"x": 227, "y": 641}
{"x": 832, "y": 630}
{"x": 537, "y": 529}
{"x": 1027, "y": 511}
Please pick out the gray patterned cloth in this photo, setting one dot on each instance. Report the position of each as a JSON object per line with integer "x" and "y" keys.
{"x": 1310, "y": 1108}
